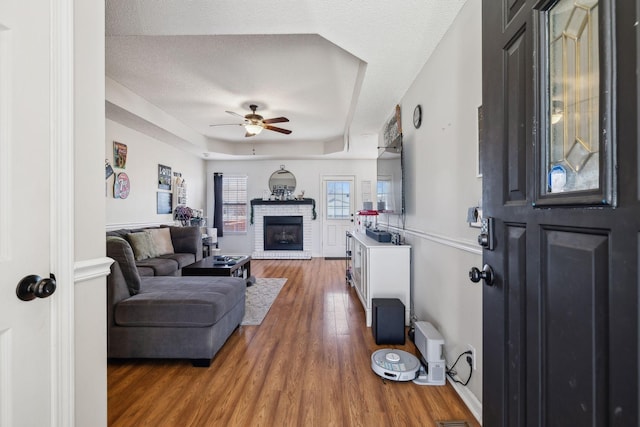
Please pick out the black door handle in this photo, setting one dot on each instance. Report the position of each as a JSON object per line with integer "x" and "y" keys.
{"x": 486, "y": 274}
{"x": 32, "y": 286}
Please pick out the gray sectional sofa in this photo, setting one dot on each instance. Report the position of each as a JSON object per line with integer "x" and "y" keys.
{"x": 168, "y": 316}
{"x": 164, "y": 250}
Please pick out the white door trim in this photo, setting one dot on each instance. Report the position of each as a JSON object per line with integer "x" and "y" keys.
{"x": 62, "y": 213}
{"x": 5, "y": 137}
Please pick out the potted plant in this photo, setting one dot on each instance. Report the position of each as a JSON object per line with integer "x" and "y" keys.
{"x": 183, "y": 214}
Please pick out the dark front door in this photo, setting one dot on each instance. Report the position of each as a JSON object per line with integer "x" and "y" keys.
{"x": 560, "y": 162}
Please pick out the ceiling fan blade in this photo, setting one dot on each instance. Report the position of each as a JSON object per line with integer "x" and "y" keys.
{"x": 277, "y": 129}
{"x": 248, "y": 134}
{"x": 276, "y": 120}
{"x": 228, "y": 124}
{"x": 235, "y": 114}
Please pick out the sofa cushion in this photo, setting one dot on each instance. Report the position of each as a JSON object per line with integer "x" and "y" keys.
{"x": 120, "y": 250}
{"x": 122, "y": 232}
{"x": 145, "y": 271}
{"x": 187, "y": 240}
{"x": 180, "y": 302}
{"x": 161, "y": 238}
{"x": 181, "y": 259}
{"x": 160, "y": 266}
{"x": 143, "y": 245}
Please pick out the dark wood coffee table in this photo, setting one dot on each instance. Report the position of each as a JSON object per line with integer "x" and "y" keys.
{"x": 221, "y": 265}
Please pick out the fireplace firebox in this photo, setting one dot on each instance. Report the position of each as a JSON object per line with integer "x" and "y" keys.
{"x": 283, "y": 233}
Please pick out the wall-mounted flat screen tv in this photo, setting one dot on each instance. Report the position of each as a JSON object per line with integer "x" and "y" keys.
{"x": 389, "y": 188}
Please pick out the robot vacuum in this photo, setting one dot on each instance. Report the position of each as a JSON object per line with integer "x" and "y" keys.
{"x": 396, "y": 365}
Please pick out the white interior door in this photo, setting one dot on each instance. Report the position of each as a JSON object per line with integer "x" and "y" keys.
{"x": 337, "y": 213}
{"x": 28, "y": 387}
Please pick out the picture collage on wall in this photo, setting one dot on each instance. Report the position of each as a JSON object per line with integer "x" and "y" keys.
{"x": 121, "y": 183}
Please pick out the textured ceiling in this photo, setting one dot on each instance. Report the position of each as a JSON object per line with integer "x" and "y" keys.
{"x": 335, "y": 68}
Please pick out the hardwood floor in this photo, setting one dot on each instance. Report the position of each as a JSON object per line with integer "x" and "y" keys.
{"x": 307, "y": 364}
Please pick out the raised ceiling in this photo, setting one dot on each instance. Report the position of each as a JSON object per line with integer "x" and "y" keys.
{"x": 335, "y": 68}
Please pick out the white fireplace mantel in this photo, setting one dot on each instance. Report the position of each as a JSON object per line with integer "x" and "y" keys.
{"x": 285, "y": 208}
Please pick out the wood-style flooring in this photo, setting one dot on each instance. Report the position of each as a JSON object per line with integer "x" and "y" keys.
{"x": 307, "y": 364}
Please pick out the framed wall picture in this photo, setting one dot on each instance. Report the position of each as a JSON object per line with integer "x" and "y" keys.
{"x": 164, "y": 177}
{"x": 393, "y": 129}
{"x": 121, "y": 186}
{"x": 108, "y": 169}
{"x": 164, "y": 202}
{"x": 119, "y": 155}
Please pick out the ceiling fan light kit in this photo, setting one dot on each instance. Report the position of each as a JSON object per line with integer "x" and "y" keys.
{"x": 253, "y": 128}
{"x": 254, "y": 123}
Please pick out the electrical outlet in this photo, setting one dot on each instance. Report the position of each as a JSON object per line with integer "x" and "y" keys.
{"x": 473, "y": 355}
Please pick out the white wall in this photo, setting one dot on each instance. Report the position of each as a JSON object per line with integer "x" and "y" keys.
{"x": 89, "y": 313}
{"x": 441, "y": 183}
{"x": 143, "y": 156}
{"x": 308, "y": 175}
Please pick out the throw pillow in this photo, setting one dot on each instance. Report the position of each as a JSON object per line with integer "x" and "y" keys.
{"x": 120, "y": 250}
{"x": 161, "y": 238}
{"x": 142, "y": 245}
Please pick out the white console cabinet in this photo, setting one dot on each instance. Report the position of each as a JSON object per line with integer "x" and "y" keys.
{"x": 378, "y": 270}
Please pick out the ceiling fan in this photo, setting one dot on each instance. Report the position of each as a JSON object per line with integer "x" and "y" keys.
{"x": 254, "y": 123}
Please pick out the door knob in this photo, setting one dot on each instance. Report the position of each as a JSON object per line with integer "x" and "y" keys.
{"x": 32, "y": 286}
{"x": 486, "y": 274}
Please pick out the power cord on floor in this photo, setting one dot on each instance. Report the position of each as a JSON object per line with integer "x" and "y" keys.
{"x": 453, "y": 374}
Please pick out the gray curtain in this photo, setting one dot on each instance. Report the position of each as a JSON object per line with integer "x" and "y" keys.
{"x": 217, "y": 202}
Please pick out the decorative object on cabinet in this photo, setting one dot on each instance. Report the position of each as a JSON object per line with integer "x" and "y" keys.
{"x": 197, "y": 218}
{"x": 119, "y": 155}
{"x": 121, "y": 186}
{"x": 164, "y": 177}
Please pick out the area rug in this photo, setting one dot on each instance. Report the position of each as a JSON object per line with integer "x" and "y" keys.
{"x": 259, "y": 298}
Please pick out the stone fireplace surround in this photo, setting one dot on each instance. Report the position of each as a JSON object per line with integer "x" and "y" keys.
{"x": 262, "y": 208}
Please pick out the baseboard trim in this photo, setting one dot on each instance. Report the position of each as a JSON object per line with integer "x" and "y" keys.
{"x": 469, "y": 399}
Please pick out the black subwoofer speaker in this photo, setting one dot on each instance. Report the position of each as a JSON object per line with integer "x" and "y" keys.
{"x": 387, "y": 322}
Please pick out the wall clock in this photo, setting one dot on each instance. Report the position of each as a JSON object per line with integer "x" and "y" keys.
{"x": 417, "y": 116}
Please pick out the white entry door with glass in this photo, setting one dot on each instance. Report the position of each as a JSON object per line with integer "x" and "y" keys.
{"x": 338, "y": 207}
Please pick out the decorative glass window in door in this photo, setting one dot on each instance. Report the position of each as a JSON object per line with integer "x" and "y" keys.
{"x": 338, "y": 199}
{"x": 573, "y": 150}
